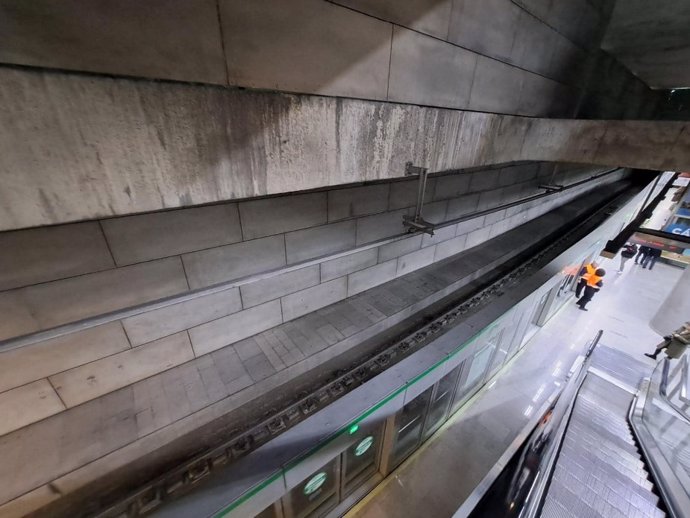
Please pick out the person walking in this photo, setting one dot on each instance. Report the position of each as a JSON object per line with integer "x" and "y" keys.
{"x": 675, "y": 343}
{"x": 651, "y": 257}
{"x": 589, "y": 268}
{"x": 593, "y": 283}
{"x": 628, "y": 251}
{"x": 644, "y": 250}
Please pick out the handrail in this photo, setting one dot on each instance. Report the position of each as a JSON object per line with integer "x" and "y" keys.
{"x": 119, "y": 314}
{"x": 663, "y": 386}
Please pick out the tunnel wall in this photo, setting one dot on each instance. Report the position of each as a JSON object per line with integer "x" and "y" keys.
{"x": 270, "y": 260}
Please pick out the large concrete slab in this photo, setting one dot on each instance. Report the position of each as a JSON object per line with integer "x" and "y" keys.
{"x": 372, "y": 228}
{"x": 140, "y": 238}
{"x": 28, "y": 404}
{"x": 485, "y": 26}
{"x": 208, "y": 267}
{"x": 40, "y": 360}
{"x": 427, "y": 16}
{"x": 45, "y": 254}
{"x": 357, "y": 201}
{"x": 368, "y": 278}
{"x": 348, "y": 264}
{"x": 97, "y": 378}
{"x": 496, "y": 87}
{"x": 162, "y": 39}
{"x": 227, "y": 330}
{"x": 275, "y": 287}
{"x": 319, "y": 241}
{"x": 430, "y": 72}
{"x": 47, "y": 305}
{"x": 168, "y": 320}
{"x": 336, "y": 51}
{"x": 271, "y": 216}
{"x": 311, "y": 299}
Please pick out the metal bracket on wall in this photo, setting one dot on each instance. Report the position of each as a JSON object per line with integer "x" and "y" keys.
{"x": 417, "y": 223}
{"x": 552, "y": 188}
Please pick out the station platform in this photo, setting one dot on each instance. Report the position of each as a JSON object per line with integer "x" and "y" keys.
{"x": 445, "y": 472}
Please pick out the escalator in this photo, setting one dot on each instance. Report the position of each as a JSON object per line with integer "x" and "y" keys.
{"x": 600, "y": 471}
{"x": 612, "y": 445}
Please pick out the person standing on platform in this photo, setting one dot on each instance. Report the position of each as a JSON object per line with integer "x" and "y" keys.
{"x": 628, "y": 251}
{"x": 650, "y": 259}
{"x": 675, "y": 343}
{"x": 593, "y": 283}
{"x": 642, "y": 254}
{"x": 589, "y": 268}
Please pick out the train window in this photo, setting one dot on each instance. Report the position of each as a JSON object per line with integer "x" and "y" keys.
{"x": 408, "y": 427}
{"x": 359, "y": 460}
{"x": 438, "y": 409}
{"x": 316, "y": 494}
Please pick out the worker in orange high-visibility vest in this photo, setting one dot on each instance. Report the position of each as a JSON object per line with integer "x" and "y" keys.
{"x": 589, "y": 268}
{"x": 593, "y": 283}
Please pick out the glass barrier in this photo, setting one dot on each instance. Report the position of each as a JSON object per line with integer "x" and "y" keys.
{"x": 321, "y": 491}
{"x": 668, "y": 433}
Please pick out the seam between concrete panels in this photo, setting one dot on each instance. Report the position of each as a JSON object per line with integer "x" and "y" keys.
{"x": 390, "y": 63}
{"x": 222, "y": 43}
{"x": 119, "y": 314}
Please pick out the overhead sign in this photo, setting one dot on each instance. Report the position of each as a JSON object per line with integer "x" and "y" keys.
{"x": 679, "y": 230}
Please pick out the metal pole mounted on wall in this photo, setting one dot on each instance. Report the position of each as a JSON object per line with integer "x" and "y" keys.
{"x": 417, "y": 223}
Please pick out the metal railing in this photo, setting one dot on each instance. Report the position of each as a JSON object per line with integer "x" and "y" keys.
{"x": 674, "y": 384}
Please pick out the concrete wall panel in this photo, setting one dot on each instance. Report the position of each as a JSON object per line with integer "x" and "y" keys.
{"x": 450, "y": 247}
{"x": 27, "y": 364}
{"x": 271, "y": 216}
{"x": 275, "y": 287}
{"x": 496, "y": 87}
{"x": 227, "y": 330}
{"x": 28, "y": 404}
{"x": 225, "y": 263}
{"x": 348, "y": 264}
{"x": 427, "y": 16}
{"x": 134, "y": 239}
{"x": 67, "y": 300}
{"x": 415, "y": 260}
{"x": 484, "y": 26}
{"x": 358, "y": 201}
{"x": 94, "y": 379}
{"x": 165, "y": 39}
{"x": 372, "y": 228}
{"x": 311, "y": 299}
{"x": 45, "y": 254}
{"x": 155, "y": 324}
{"x": 451, "y": 186}
{"x": 399, "y": 247}
{"x": 430, "y": 72}
{"x": 365, "y": 279}
{"x": 319, "y": 241}
{"x": 335, "y": 51}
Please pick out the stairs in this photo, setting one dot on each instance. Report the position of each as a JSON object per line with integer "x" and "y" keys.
{"x": 599, "y": 471}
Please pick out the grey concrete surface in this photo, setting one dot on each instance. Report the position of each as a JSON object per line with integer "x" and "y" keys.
{"x": 348, "y": 264}
{"x": 46, "y": 254}
{"x": 261, "y": 218}
{"x": 652, "y": 40}
{"x": 215, "y": 265}
{"x": 275, "y": 287}
{"x": 427, "y": 16}
{"x": 125, "y": 131}
{"x": 134, "y": 239}
{"x": 319, "y": 241}
{"x": 336, "y": 51}
{"x": 430, "y": 72}
{"x": 164, "y": 39}
{"x": 157, "y": 323}
{"x": 357, "y": 201}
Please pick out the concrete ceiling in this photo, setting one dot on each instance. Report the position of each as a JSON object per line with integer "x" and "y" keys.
{"x": 652, "y": 38}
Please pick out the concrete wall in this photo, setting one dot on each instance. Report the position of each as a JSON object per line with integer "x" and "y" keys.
{"x": 55, "y": 275}
{"x": 288, "y": 256}
{"x": 118, "y": 410}
{"x": 77, "y": 147}
{"x": 427, "y": 52}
